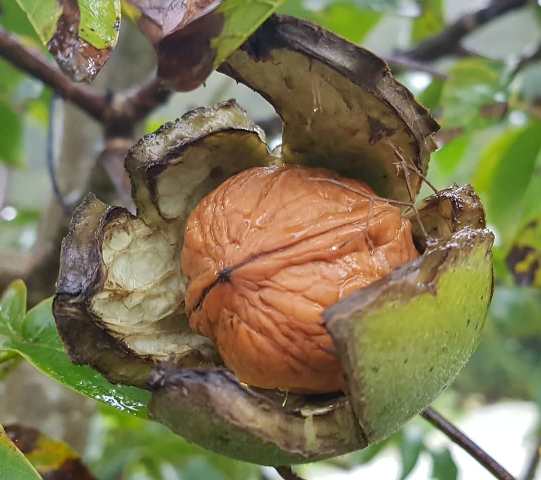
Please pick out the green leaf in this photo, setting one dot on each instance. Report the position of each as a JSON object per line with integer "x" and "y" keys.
{"x": 12, "y": 308}
{"x": 490, "y": 157}
{"x": 512, "y": 175}
{"x": 430, "y": 97}
{"x": 411, "y": 445}
{"x": 13, "y": 464}
{"x": 348, "y": 20}
{"x": 430, "y": 23}
{"x": 123, "y": 446}
{"x": 10, "y": 136}
{"x": 397, "y": 7}
{"x": 14, "y": 19}
{"x": 34, "y": 337}
{"x": 100, "y": 22}
{"x": 43, "y": 15}
{"x": 80, "y": 35}
{"x": 242, "y": 18}
{"x": 363, "y": 456}
{"x": 303, "y": 8}
{"x": 449, "y": 156}
{"x": 10, "y": 78}
{"x": 443, "y": 465}
{"x": 344, "y": 17}
{"x": 515, "y": 311}
{"x": 472, "y": 84}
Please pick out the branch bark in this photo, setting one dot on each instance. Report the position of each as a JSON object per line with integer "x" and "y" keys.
{"x": 33, "y": 62}
{"x": 448, "y": 42}
{"x": 466, "y": 443}
{"x": 136, "y": 103}
{"x": 118, "y": 113}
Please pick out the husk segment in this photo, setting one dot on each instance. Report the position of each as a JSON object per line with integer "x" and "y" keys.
{"x": 79, "y": 276}
{"x": 119, "y": 303}
{"x": 212, "y": 409}
{"x": 403, "y": 339}
{"x": 340, "y": 105}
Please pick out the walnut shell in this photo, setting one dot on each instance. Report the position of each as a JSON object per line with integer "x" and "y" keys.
{"x": 267, "y": 251}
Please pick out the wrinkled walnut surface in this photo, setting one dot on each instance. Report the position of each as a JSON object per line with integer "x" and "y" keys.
{"x": 267, "y": 251}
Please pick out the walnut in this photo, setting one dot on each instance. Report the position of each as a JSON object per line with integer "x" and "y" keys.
{"x": 267, "y": 251}
{"x": 288, "y": 253}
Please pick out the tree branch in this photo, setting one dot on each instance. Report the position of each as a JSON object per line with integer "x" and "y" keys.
{"x": 287, "y": 474}
{"x": 525, "y": 60}
{"x": 33, "y": 62}
{"x": 118, "y": 113}
{"x": 136, "y": 103}
{"x": 466, "y": 443}
{"x": 448, "y": 41}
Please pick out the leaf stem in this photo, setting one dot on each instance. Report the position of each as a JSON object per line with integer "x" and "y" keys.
{"x": 6, "y": 356}
{"x": 466, "y": 443}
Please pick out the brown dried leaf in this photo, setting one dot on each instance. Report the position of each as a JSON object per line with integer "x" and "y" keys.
{"x": 54, "y": 460}
{"x": 79, "y": 33}
{"x": 192, "y": 37}
{"x": 181, "y": 32}
{"x": 524, "y": 258}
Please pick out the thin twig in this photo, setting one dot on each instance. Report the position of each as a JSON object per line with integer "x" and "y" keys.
{"x": 366, "y": 195}
{"x": 287, "y": 474}
{"x": 33, "y": 62}
{"x": 525, "y": 60}
{"x": 119, "y": 112}
{"x": 51, "y": 155}
{"x": 466, "y": 443}
{"x": 533, "y": 462}
{"x": 399, "y": 62}
{"x": 112, "y": 160}
{"x": 448, "y": 41}
{"x": 136, "y": 103}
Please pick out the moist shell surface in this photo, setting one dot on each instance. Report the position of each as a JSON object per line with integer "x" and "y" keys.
{"x": 268, "y": 251}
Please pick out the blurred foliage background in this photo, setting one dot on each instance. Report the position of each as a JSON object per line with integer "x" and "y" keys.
{"x": 482, "y": 81}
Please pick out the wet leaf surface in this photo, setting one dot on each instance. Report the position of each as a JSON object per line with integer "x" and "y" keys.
{"x": 80, "y": 34}
{"x": 33, "y": 335}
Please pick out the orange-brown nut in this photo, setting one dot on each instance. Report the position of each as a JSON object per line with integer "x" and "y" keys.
{"x": 267, "y": 251}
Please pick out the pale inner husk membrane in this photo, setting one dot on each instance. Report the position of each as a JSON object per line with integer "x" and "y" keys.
{"x": 141, "y": 301}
